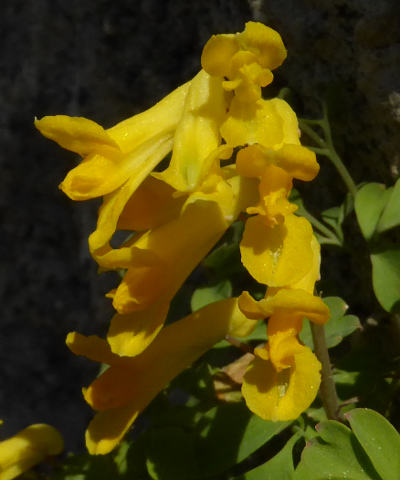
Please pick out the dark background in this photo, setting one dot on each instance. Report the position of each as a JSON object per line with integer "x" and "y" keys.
{"x": 107, "y": 60}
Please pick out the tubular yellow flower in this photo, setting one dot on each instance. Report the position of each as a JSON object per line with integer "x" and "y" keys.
{"x": 283, "y": 379}
{"x": 28, "y": 448}
{"x": 111, "y": 157}
{"x": 157, "y": 266}
{"x": 115, "y": 161}
{"x": 127, "y": 387}
{"x": 244, "y": 59}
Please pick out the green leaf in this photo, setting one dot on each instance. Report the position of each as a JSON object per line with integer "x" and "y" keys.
{"x": 369, "y": 204}
{"x": 279, "y": 467}
{"x": 335, "y": 454}
{"x": 379, "y": 439}
{"x": 386, "y": 278}
{"x": 229, "y": 434}
{"x": 391, "y": 214}
{"x": 205, "y": 295}
{"x": 171, "y": 454}
{"x": 86, "y": 467}
{"x": 130, "y": 460}
{"x": 338, "y": 327}
{"x": 259, "y": 333}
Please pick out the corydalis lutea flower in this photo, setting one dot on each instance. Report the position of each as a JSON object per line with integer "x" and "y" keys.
{"x": 176, "y": 217}
{"x": 119, "y": 161}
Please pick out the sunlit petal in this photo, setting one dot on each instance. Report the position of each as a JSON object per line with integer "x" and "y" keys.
{"x": 197, "y": 135}
{"x": 277, "y": 256}
{"x": 154, "y": 368}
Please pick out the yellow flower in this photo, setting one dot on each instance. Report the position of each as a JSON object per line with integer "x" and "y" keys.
{"x": 159, "y": 260}
{"x": 28, "y": 448}
{"x": 129, "y": 384}
{"x": 245, "y": 59}
{"x": 283, "y": 379}
{"x": 197, "y": 136}
{"x": 115, "y": 161}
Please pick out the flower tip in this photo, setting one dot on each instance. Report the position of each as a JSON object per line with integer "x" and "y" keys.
{"x": 70, "y": 338}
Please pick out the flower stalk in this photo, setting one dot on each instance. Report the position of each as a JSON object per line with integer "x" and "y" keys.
{"x": 326, "y": 147}
{"x": 327, "y": 389}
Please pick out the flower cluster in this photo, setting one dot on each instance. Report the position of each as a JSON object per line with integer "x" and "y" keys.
{"x": 177, "y": 215}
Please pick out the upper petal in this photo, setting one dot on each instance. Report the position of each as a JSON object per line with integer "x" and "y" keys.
{"x": 197, "y": 135}
{"x": 78, "y": 134}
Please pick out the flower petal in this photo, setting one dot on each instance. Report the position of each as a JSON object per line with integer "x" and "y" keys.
{"x": 175, "y": 348}
{"x": 265, "y": 42}
{"x": 197, "y": 135}
{"x": 151, "y": 205}
{"x": 296, "y": 303}
{"x": 159, "y": 120}
{"x": 282, "y": 395}
{"x": 277, "y": 256}
{"x": 112, "y": 156}
{"x": 28, "y": 448}
{"x": 217, "y": 54}
{"x": 99, "y": 175}
{"x": 270, "y": 123}
{"x": 92, "y": 347}
{"x": 77, "y": 134}
{"x": 114, "y": 204}
{"x": 298, "y": 161}
{"x": 132, "y": 333}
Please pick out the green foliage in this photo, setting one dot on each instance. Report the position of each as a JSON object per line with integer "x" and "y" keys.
{"x": 390, "y": 217}
{"x": 339, "y": 326}
{"x": 230, "y": 434}
{"x": 205, "y": 295}
{"x": 370, "y": 452}
{"x": 279, "y": 467}
{"x": 386, "y": 278}
{"x": 369, "y": 204}
{"x": 379, "y": 439}
{"x": 87, "y": 467}
{"x": 335, "y": 453}
{"x": 378, "y": 211}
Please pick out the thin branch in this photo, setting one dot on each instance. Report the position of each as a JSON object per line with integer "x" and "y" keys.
{"x": 327, "y": 389}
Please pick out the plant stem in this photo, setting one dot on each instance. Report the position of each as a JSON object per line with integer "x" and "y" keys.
{"x": 327, "y": 148}
{"x": 320, "y": 226}
{"x": 327, "y": 389}
{"x": 311, "y": 133}
{"x": 344, "y": 173}
{"x": 333, "y": 155}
